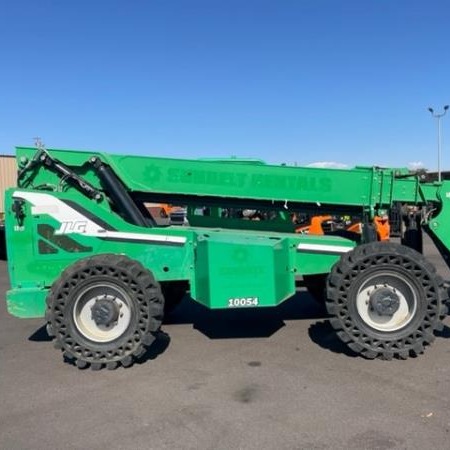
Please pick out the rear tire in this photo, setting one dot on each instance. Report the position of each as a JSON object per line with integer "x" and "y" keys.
{"x": 386, "y": 301}
{"x": 104, "y": 311}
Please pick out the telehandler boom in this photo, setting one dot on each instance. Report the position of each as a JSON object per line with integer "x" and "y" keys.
{"x": 85, "y": 253}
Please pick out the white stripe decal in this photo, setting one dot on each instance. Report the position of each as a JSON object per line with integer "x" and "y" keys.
{"x": 73, "y": 221}
{"x": 323, "y": 248}
{"x": 143, "y": 237}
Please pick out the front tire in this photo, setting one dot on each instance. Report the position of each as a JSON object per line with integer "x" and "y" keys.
{"x": 104, "y": 311}
{"x": 386, "y": 301}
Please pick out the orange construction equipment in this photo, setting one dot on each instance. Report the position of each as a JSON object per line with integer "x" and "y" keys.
{"x": 382, "y": 226}
{"x": 315, "y": 227}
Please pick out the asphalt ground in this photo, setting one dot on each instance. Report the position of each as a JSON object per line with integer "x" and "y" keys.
{"x": 259, "y": 379}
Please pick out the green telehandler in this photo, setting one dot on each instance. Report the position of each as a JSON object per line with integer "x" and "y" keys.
{"x": 85, "y": 252}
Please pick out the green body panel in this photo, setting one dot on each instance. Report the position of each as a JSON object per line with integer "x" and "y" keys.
{"x": 318, "y": 254}
{"x": 168, "y": 262}
{"x": 439, "y": 224}
{"x": 26, "y": 303}
{"x": 254, "y": 265}
{"x": 251, "y": 268}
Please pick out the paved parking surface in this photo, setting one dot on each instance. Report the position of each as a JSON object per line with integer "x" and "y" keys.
{"x": 260, "y": 379}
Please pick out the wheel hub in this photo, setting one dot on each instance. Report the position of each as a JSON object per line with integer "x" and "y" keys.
{"x": 105, "y": 312}
{"x": 384, "y": 301}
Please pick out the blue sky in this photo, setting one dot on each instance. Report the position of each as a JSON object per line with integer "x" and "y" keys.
{"x": 281, "y": 80}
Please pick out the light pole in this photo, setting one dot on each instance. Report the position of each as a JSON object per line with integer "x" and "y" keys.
{"x": 439, "y": 117}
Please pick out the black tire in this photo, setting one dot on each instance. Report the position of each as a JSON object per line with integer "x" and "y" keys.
{"x": 386, "y": 301}
{"x": 173, "y": 293}
{"x": 316, "y": 286}
{"x": 104, "y": 311}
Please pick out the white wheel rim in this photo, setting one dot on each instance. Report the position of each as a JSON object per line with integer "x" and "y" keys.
{"x": 82, "y": 312}
{"x": 400, "y": 318}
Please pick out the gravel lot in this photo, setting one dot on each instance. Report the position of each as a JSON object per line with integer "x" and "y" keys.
{"x": 259, "y": 379}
